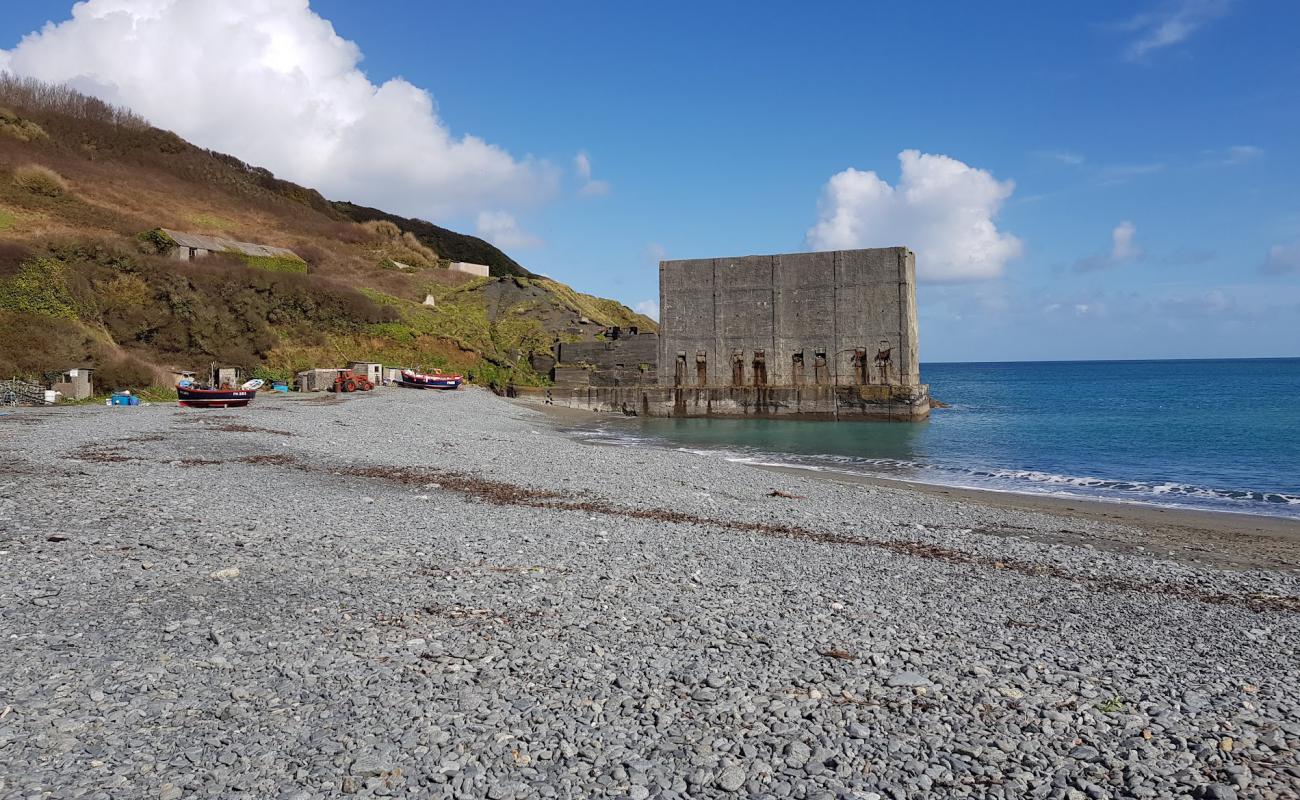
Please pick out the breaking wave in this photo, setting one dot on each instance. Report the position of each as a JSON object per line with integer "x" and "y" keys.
{"x": 1021, "y": 481}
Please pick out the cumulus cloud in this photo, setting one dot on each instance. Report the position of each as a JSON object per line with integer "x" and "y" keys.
{"x": 1282, "y": 259}
{"x": 272, "y": 83}
{"x": 941, "y": 208}
{"x": 648, "y": 307}
{"x": 1171, "y": 24}
{"x": 1123, "y": 249}
{"x": 590, "y": 186}
{"x": 502, "y": 229}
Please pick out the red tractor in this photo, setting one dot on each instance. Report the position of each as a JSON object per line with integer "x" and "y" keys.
{"x": 348, "y": 381}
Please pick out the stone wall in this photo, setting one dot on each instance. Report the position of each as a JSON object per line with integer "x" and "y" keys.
{"x": 893, "y": 403}
{"x": 629, "y": 360}
{"x": 840, "y": 318}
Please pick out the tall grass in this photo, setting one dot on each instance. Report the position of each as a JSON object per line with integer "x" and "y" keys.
{"x": 40, "y": 180}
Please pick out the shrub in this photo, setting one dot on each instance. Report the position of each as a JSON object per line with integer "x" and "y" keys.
{"x": 382, "y": 229}
{"x": 24, "y": 130}
{"x": 274, "y": 263}
{"x": 40, "y": 287}
{"x": 125, "y": 372}
{"x": 40, "y": 180}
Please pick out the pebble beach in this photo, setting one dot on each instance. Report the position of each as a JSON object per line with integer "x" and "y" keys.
{"x": 421, "y": 594}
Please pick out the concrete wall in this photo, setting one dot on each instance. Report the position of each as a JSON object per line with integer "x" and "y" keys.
{"x": 848, "y": 304}
{"x": 894, "y": 403}
{"x": 76, "y": 384}
{"x": 616, "y": 362}
{"x": 481, "y": 270}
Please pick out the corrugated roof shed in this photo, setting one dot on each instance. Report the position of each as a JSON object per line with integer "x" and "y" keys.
{"x": 218, "y": 244}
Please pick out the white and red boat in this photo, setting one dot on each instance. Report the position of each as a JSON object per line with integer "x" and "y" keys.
{"x": 433, "y": 379}
{"x": 194, "y": 396}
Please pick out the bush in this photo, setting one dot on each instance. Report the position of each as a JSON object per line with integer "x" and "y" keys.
{"x": 125, "y": 372}
{"x": 382, "y": 229}
{"x": 24, "y": 130}
{"x": 40, "y": 180}
{"x": 40, "y": 287}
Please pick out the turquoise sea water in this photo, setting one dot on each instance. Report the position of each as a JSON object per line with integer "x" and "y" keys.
{"x": 1212, "y": 434}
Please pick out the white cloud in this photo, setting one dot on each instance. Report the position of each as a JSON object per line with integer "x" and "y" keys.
{"x": 501, "y": 229}
{"x": 1172, "y": 24}
{"x": 590, "y": 187}
{"x": 648, "y": 307}
{"x": 941, "y": 208}
{"x": 1123, "y": 249}
{"x": 1282, "y": 258}
{"x": 272, "y": 83}
{"x": 582, "y": 165}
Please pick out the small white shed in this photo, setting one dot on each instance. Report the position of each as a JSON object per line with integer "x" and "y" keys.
{"x": 481, "y": 270}
{"x": 373, "y": 372}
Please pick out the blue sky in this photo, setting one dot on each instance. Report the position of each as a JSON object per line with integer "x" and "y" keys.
{"x": 1126, "y": 172}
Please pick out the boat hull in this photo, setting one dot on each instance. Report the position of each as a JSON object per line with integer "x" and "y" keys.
{"x": 435, "y": 380}
{"x": 214, "y": 398}
{"x": 447, "y": 384}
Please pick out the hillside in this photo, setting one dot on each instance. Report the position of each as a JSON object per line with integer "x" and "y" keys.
{"x": 85, "y": 280}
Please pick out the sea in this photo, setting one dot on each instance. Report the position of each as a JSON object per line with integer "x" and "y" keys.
{"x": 1219, "y": 435}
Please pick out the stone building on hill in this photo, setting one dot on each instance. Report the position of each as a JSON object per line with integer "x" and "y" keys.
{"x": 189, "y": 246}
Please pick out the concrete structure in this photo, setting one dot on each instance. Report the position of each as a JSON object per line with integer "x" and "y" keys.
{"x": 374, "y": 372}
{"x": 820, "y": 335}
{"x": 190, "y": 246}
{"x": 844, "y": 318}
{"x": 75, "y": 384}
{"x": 230, "y": 376}
{"x": 430, "y": 300}
{"x": 316, "y": 380}
{"x": 618, "y": 360}
{"x": 481, "y": 270}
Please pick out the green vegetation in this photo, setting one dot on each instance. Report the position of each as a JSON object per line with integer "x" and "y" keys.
{"x": 450, "y": 245}
{"x": 596, "y": 309}
{"x": 273, "y": 263}
{"x": 40, "y": 180}
{"x": 40, "y": 289}
{"x": 1114, "y": 705}
{"x": 211, "y": 221}
{"x": 24, "y": 130}
{"x": 79, "y": 285}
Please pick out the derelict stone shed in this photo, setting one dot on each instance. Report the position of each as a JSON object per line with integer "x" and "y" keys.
{"x": 841, "y": 318}
{"x": 189, "y": 246}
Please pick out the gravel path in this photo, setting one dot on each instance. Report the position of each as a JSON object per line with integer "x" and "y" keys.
{"x": 438, "y": 595}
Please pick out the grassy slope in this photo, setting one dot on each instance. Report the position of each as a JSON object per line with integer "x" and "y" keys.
{"x": 78, "y": 283}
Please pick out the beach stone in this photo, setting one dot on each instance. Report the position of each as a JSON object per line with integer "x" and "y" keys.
{"x": 908, "y": 679}
{"x": 569, "y": 620}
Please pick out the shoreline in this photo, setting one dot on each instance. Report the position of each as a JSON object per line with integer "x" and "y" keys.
{"x": 1228, "y": 538}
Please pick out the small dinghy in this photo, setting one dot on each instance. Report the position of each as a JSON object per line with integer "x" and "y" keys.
{"x": 194, "y": 396}
{"x": 434, "y": 379}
